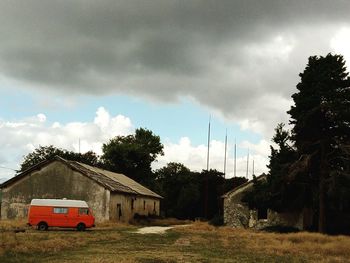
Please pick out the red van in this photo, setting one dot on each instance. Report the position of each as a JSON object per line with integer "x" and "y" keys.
{"x": 45, "y": 213}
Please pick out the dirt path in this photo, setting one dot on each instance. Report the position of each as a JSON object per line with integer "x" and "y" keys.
{"x": 153, "y": 229}
{"x": 156, "y": 229}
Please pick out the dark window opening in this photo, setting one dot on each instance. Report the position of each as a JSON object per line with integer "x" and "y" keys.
{"x": 144, "y": 205}
{"x": 262, "y": 213}
{"x": 154, "y": 206}
{"x": 132, "y": 204}
{"x": 119, "y": 211}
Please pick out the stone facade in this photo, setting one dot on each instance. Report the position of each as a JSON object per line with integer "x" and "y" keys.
{"x": 238, "y": 214}
{"x": 58, "y": 180}
{"x": 124, "y": 207}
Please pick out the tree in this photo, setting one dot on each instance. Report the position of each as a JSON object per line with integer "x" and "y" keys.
{"x": 276, "y": 192}
{"x": 133, "y": 155}
{"x": 181, "y": 191}
{"x": 321, "y": 119}
{"x": 48, "y": 152}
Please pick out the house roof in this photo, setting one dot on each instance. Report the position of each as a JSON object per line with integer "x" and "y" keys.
{"x": 242, "y": 186}
{"x": 114, "y": 182}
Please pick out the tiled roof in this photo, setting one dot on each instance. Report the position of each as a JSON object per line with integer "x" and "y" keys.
{"x": 115, "y": 182}
{"x": 246, "y": 184}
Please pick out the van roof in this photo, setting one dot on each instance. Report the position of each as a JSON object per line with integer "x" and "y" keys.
{"x": 59, "y": 202}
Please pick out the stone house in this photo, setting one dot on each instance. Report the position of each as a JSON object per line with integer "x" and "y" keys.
{"x": 238, "y": 214}
{"x": 112, "y": 196}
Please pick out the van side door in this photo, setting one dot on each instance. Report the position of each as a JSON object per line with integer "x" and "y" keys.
{"x": 60, "y": 216}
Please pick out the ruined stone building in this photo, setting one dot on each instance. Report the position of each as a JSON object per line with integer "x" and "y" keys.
{"x": 238, "y": 214}
{"x": 111, "y": 196}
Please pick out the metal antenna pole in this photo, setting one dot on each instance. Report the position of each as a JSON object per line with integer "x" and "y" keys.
{"x": 225, "y": 154}
{"x": 235, "y": 160}
{"x": 253, "y": 167}
{"x": 247, "y": 164}
{"x": 208, "y": 143}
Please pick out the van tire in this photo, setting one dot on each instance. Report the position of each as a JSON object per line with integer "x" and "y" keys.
{"x": 42, "y": 226}
{"x": 81, "y": 227}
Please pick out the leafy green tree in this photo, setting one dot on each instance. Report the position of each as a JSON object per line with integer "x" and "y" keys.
{"x": 181, "y": 191}
{"x": 48, "y": 152}
{"x": 321, "y": 119}
{"x": 189, "y": 194}
{"x": 277, "y": 192}
{"x": 133, "y": 155}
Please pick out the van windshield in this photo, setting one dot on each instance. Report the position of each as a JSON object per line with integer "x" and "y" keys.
{"x": 83, "y": 211}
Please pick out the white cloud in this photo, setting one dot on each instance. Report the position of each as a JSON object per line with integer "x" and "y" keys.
{"x": 340, "y": 43}
{"x": 41, "y": 117}
{"x": 195, "y": 156}
{"x": 23, "y": 136}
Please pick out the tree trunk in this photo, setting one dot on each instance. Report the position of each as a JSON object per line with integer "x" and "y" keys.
{"x": 322, "y": 191}
{"x": 322, "y": 206}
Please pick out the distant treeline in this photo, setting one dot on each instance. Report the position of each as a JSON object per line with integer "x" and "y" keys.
{"x": 187, "y": 194}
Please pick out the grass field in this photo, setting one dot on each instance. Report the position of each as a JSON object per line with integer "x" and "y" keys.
{"x": 198, "y": 242}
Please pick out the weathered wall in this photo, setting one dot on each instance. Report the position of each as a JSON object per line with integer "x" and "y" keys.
{"x": 56, "y": 180}
{"x": 142, "y": 206}
{"x": 237, "y": 214}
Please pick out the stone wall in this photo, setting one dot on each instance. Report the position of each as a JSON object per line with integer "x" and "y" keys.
{"x": 122, "y": 210}
{"x": 237, "y": 214}
{"x": 56, "y": 180}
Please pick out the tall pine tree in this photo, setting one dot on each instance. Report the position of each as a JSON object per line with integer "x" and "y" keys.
{"x": 321, "y": 119}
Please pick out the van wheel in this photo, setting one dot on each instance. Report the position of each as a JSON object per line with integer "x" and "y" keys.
{"x": 42, "y": 226}
{"x": 81, "y": 227}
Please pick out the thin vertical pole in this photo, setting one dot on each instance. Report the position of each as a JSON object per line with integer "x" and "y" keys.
{"x": 247, "y": 164}
{"x": 225, "y": 154}
{"x": 235, "y": 160}
{"x": 208, "y": 144}
{"x": 253, "y": 167}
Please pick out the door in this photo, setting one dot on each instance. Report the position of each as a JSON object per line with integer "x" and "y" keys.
{"x": 60, "y": 217}
{"x": 119, "y": 211}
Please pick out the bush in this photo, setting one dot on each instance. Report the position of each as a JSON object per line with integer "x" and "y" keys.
{"x": 217, "y": 220}
{"x": 280, "y": 229}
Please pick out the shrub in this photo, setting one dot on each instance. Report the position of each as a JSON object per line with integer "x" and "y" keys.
{"x": 217, "y": 220}
{"x": 280, "y": 229}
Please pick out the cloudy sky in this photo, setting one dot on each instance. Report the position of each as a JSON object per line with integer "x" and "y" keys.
{"x": 96, "y": 69}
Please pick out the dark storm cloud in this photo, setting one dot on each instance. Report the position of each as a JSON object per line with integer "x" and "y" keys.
{"x": 225, "y": 54}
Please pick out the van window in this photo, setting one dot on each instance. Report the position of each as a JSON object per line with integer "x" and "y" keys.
{"x": 83, "y": 211}
{"x": 60, "y": 210}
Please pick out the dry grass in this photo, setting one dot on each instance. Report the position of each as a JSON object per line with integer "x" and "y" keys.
{"x": 110, "y": 224}
{"x": 12, "y": 224}
{"x": 198, "y": 242}
{"x": 170, "y": 222}
{"x": 311, "y": 246}
{"x": 48, "y": 241}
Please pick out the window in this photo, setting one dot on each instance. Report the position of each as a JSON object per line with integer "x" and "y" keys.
{"x": 60, "y": 210}
{"x": 132, "y": 204}
{"x": 83, "y": 211}
{"x": 262, "y": 213}
{"x": 144, "y": 205}
{"x": 154, "y": 206}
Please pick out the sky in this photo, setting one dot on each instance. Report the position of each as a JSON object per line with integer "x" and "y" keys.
{"x": 91, "y": 70}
